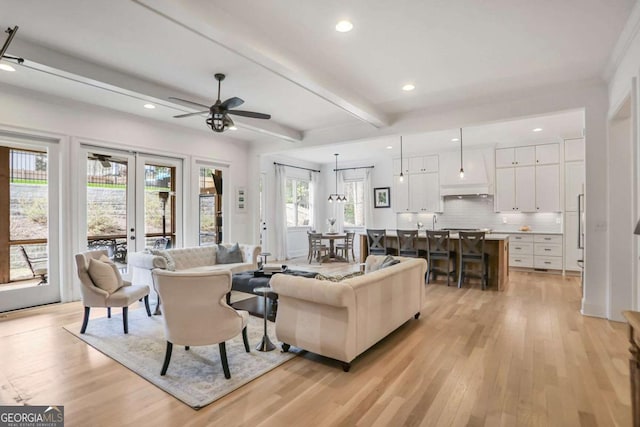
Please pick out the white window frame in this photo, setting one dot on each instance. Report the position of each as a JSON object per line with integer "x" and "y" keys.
{"x": 350, "y": 227}
{"x": 295, "y": 179}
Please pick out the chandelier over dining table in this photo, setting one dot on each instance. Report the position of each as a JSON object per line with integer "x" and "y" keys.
{"x": 338, "y": 197}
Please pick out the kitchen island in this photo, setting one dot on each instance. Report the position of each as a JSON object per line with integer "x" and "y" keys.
{"x": 496, "y": 245}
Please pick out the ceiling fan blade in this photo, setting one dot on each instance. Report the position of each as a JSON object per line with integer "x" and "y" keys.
{"x": 251, "y": 114}
{"x": 232, "y": 103}
{"x": 179, "y": 116}
{"x": 184, "y": 101}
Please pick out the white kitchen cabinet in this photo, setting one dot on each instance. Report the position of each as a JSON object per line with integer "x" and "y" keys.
{"x": 424, "y": 192}
{"x": 547, "y": 187}
{"x": 400, "y": 194}
{"x": 515, "y": 189}
{"x": 505, "y": 158}
{"x": 517, "y": 156}
{"x": 547, "y": 154}
{"x": 542, "y": 251}
{"x": 423, "y": 164}
{"x": 525, "y": 189}
{"x": 573, "y": 184}
{"x": 505, "y": 189}
{"x": 571, "y": 251}
{"x": 574, "y": 150}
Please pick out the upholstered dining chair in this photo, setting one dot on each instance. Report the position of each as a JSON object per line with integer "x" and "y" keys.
{"x": 102, "y": 286}
{"x": 196, "y": 313}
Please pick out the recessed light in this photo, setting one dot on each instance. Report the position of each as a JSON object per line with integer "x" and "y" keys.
{"x": 149, "y": 106}
{"x": 344, "y": 26}
{"x": 233, "y": 128}
{"x": 455, "y": 139}
{"x": 6, "y": 67}
{"x": 537, "y": 130}
{"x": 389, "y": 147}
{"x": 408, "y": 87}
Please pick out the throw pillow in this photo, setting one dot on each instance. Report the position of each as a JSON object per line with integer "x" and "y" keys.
{"x": 338, "y": 277}
{"x": 113, "y": 265}
{"x": 389, "y": 261}
{"x": 103, "y": 276}
{"x": 171, "y": 264}
{"x": 230, "y": 255}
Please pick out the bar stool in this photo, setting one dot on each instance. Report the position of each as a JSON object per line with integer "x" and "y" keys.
{"x": 439, "y": 248}
{"x": 408, "y": 244}
{"x": 472, "y": 251}
{"x": 377, "y": 241}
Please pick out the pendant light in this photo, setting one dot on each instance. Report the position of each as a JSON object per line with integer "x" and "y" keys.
{"x": 461, "y": 168}
{"x": 335, "y": 196}
{"x": 401, "y": 168}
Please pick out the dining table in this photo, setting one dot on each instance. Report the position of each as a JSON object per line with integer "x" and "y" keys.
{"x": 332, "y": 256}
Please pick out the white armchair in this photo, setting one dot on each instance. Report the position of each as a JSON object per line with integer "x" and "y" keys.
{"x": 93, "y": 296}
{"x": 196, "y": 313}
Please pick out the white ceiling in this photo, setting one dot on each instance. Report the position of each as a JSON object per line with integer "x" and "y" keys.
{"x": 555, "y": 127}
{"x": 283, "y": 57}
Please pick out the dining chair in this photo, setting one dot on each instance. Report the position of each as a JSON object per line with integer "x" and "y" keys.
{"x": 344, "y": 248}
{"x": 439, "y": 249}
{"x": 472, "y": 251}
{"x": 316, "y": 247}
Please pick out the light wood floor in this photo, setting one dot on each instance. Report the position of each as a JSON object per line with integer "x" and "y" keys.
{"x": 520, "y": 357}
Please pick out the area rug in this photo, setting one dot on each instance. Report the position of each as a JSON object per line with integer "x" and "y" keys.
{"x": 195, "y": 377}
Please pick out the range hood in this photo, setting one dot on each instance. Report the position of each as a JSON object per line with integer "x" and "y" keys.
{"x": 478, "y": 173}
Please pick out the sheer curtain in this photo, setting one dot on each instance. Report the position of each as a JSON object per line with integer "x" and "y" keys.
{"x": 315, "y": 200}
{"x": 280, "y": 214}
{"x": 368, "y": 199}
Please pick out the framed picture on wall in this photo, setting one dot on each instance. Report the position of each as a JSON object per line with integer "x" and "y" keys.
{"x": 382, "y": 197}
{"x": 241, "y": 199}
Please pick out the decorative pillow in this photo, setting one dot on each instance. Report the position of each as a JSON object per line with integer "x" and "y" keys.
{"x": 103, "y": 275}
{"x": 107, "y": 260}
{"x": 338, "y": 277}
{"x": 230, "y": 255}
{"x": 171, "y": 264}
{"x": 389, "y": 261}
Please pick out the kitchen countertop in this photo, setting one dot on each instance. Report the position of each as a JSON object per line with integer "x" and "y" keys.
{"x": 488, "y": 236}
{"x": 527, "y": 232}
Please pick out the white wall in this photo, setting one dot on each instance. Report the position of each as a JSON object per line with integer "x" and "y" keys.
{"x": 623, "y": 161}
{"x": 30, "y": 112}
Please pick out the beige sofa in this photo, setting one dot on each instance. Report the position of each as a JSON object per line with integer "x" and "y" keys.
{"x": 196, "y": 259}
{"x": 343, "y": 319}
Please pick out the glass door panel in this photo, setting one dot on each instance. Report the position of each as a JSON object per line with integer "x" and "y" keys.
{"x": 159, "y": 205}
{"x": 108, "y": 194}
{"x": 210, "y": 206}
{"x": 28, "y": 276}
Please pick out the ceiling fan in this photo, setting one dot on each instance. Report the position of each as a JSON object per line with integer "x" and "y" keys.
{"x": 218, "y": 119}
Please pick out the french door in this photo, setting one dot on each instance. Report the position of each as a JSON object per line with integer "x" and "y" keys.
{"x": 29, "y": 212}
{"x": 132, "y": 201}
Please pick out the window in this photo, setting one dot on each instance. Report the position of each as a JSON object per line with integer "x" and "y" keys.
{"x": 354, "y": 206}
{"x": 210, "y": 206}
{"x": 297, "y": 194}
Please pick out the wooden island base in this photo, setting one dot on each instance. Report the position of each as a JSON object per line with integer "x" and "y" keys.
{"x": 496, "y": 245}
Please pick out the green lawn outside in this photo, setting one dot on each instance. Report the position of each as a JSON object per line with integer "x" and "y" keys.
{"x": 91, "y": 184}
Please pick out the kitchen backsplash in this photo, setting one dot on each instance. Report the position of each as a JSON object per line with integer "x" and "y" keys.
{"x": 478, "y": 212}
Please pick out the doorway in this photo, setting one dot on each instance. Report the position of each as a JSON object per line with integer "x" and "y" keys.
{"x": 29, "y": 201}
{"x": 132, "y": 201}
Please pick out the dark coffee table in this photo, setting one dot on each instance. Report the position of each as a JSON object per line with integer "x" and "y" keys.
{"x": 247, "y": 281}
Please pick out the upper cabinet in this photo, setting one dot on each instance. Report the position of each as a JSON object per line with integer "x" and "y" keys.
{"x": 528, "y": 179}
{"x": 424, "y": 164}
{"x": 547, "y": 154}
{"x": 574, "y": 150}
{"x": 517, "y": 156}
{"x": 419, "y": 191}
